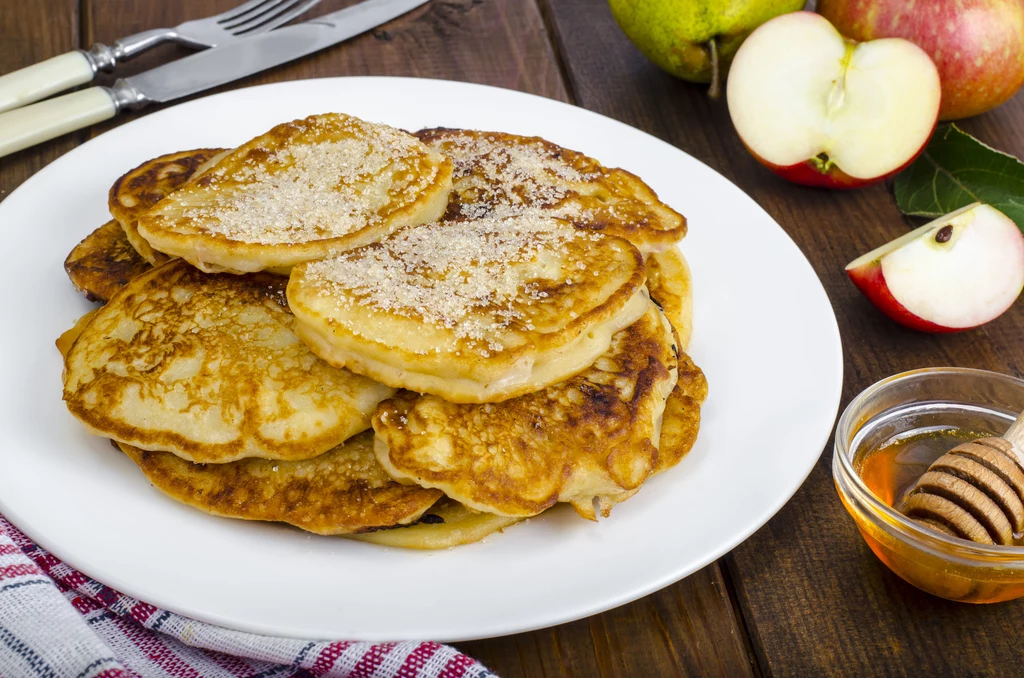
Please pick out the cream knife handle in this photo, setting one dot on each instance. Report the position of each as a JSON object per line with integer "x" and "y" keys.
{"x": 43, "y": 79}
{"x": 34, "y": 124}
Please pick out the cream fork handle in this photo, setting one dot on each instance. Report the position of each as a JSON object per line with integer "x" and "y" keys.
{"x": 43, "y": 79}
{"x": 34, "y": 124}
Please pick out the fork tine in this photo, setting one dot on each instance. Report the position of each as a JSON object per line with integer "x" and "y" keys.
{"x": 236, "y": 12}
{"x": 285, "y": 15}
{"x": 256, "y": 16}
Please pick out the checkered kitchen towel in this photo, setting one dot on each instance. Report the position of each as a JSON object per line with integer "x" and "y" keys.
{"x": 56, "y": 622}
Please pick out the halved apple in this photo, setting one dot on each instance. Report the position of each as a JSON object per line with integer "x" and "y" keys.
{"x": 821, "y": 110}
{"x": 957, "y": 272}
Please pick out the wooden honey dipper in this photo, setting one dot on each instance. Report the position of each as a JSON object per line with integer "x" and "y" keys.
{"x": 975, "y": 491}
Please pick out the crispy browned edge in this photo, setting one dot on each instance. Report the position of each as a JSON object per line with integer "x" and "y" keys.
{"x": 101, "y": 264}
{"x": 681, "y": 421}
{"x": 227, "y": 490}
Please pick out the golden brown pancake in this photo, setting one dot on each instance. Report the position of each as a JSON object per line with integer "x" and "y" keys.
{"x": 342, "y": 491}
{"x": 472, "y": 311}
{"x": 681, "y": 420}
{"x": 590, "y": 441}
{"x": 137, "y": 191}
{"x": 671, "y": 287}
{"x": 498, "y": 174}
{"x": 68, "y": 338}
{"x": 104, "y": 262}
{"x": 446, "y": 524}
{"x": 305, "y": 190}
{"x": 669, "y": 282}
{"x": 209, "y": 367}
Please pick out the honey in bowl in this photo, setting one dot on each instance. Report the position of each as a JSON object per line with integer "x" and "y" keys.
{"x": 887, "y": 437}
{"x": 891, "y": 470}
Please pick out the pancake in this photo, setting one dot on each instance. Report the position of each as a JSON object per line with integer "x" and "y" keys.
{"x": 671, "y": 287}
{"x": 103, "y": 263}
{"x": 209, "y": 367}
{"x": 447, "y": 524}
{"x": 305, "y": 190}
{"x": 474, "y": 311}
{"x": 590, "y": 441}
{"x": 342, "y": 491}
{"x": 68, "y": 338}
{"x": 499, "y": 174}
{"x": 137, "y": 191}
{"x": 681, "y": 420}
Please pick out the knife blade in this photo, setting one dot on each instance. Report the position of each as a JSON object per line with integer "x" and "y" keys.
{"x": 237, "y": 60}
{"x": 33, "y": 124}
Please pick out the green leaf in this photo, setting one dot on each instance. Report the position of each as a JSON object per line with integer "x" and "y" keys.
{"x": 955, "y": 170}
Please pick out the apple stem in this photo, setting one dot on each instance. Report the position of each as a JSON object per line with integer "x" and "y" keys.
{"x": 715, "y": 90}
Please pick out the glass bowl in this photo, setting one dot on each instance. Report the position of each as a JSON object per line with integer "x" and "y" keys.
{"x": 945, "y": 566}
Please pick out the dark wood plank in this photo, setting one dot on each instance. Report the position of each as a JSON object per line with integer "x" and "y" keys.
{"x": 814, "y": 596}
{"x": 497, "y": 42}
{"x": 692, "y": 628}
{"x": 30, "y": 33}
{"x": 688, "y": 629}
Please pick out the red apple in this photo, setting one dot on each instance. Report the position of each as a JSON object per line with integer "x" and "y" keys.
{"x": 957, "y": 272}
{"x": 978, "y": 45}
{"x": 823, "y": 111}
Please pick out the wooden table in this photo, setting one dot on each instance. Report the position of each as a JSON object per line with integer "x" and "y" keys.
{"x": 803, "y": 596}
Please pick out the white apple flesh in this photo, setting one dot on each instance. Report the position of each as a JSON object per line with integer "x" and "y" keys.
{"x": 957, "y": 272}
{"x": 822, "y": 110}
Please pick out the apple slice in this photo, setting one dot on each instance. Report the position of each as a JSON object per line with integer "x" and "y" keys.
{"x": 825, "y": 111}
{"x": 957, "y": 272}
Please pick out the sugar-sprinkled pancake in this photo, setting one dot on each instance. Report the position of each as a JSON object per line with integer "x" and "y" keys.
{"x": 209, "y": 367}
{"x": 590, "y": 441}
{"x": 473, "y": 311}
{"x": 498, "y": 174}
{"x": 305, "y": 190}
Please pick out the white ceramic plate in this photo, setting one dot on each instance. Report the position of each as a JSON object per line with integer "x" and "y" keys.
{"x": 764, "y": 334}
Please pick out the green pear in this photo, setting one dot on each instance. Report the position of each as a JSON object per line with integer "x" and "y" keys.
{"x": 695, "y": 39}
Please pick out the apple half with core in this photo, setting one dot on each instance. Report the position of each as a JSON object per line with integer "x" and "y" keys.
{"x": 957, "y": 272}
{"x": 821, "y": 110}
{"x": 977, "y": 45}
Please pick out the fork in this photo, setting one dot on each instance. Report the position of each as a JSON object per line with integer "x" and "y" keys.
{"x": 80, "y": 66}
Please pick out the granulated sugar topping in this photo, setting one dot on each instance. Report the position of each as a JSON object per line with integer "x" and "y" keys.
{"x": 471, "y": 277}
{"x": 513, "y": 178}
{"x": 303, "y": 192}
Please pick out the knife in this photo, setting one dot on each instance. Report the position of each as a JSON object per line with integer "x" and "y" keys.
{"x": 34, "y": 124}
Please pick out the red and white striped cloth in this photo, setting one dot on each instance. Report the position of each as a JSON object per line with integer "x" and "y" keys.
{"x": 56, "y": 622}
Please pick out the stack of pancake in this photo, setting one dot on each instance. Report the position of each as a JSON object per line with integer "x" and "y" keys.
{"x": 413, "y": 340}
